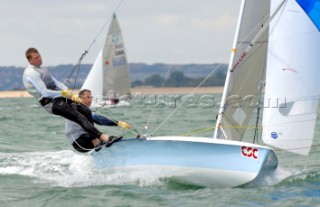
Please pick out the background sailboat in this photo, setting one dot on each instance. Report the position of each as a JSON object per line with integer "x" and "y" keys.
{"x": 276, "y": 39}
{"x": 109, "y": 78}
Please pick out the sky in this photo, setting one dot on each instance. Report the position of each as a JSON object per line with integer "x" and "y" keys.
{"x": 154, "y": 31}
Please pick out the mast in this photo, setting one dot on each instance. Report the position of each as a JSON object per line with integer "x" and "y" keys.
{"x": 248, "y": 57}
{"x": 218, "y": 130}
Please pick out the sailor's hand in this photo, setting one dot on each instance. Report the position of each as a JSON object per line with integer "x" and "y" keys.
{"x": 76, "y": 99}
{"x": 66, "y": 93}
{"x": 124, "y": 125}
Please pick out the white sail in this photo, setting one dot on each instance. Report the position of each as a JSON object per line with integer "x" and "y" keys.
{"x": 94, "y": 81}
{"x": 209, "y": 159}
{"x": 109, "y": 76}
{"x": 246, "y": 70}
{"x": 292, "y": 83}
{"x": 115, "y": 66}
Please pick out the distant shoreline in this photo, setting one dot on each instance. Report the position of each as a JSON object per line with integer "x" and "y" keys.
{"x": 134, "y": 91}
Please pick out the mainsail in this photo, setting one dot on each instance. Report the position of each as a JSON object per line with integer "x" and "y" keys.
{"x": 292, "y": 83}
{"x": 277, "y": 46}
{"x": 115, "y": 66}
{"x": 109, "y": 77}
{"x": 246, "y": 70}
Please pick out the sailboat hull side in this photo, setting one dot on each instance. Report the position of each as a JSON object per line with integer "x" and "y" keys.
{"x": 199, "y": 161}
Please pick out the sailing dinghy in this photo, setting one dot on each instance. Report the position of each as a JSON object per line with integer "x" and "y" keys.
{"x": 109, "y": 78}
{"x": 275, "y": 51}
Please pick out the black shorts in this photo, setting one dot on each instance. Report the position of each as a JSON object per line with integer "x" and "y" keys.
{"x": 84, "y": 143}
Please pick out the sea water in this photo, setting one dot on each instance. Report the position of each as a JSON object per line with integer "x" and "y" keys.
{"x": 38, "y": 167}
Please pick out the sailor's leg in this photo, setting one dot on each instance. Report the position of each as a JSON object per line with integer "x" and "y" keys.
{"x": 60, "y": 107}
{"x": 84, "y": 143}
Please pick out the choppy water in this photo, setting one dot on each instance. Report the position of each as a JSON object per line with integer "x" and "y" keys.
{"x": 39, "y": 168}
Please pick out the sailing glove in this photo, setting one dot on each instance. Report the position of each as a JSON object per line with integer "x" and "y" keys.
{"x": 66, "y": 93}
{"x": 73, "y": 97}
{"x": 124, "y": 125}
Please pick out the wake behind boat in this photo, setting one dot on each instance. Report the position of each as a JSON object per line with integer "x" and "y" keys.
{"x": 275, "y": 50}
{"x": 109, "y": 78}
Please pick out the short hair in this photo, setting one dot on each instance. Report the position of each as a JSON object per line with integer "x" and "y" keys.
{"x": 81, "y": 93}
{"x": 30, "y": 51}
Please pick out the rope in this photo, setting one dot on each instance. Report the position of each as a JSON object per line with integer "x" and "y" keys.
{"x": 105, "y": 24}
{"x": 94, "y": 148}
{"x": 256, "y": 37}
{"x": 204, "y": 80}
{"x": 236, "y": 63}
{"x": 77, "y": 66}
{"x": 295, "y": 148}
{"x": 198, "y": 131}
{"x": 227, "y": 126}
{"x": 133, "y": 130}
{"x": 258, "y": 112}
{"x": 163, "y": 83}
{"x": 74, "y": 68}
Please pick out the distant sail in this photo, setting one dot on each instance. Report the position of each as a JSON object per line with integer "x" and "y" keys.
{"x": 109, "y": 77}
{"x": 94, "y": 81}
{"x": 115, "y": 65}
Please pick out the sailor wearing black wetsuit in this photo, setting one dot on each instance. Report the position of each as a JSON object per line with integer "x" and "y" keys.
{"x": 47, "y": 90}
{"x": 80, "y": 139}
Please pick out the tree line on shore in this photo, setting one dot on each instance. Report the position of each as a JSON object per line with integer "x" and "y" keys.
{"x": 155, "y": 75}
{"x": 179, "y": 79}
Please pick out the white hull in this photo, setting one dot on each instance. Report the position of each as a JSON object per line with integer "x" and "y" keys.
{"x": 197, "y": 161}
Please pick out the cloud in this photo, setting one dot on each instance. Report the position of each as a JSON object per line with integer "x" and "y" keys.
{"x": 181, "y": 31}
{"x": 225, "y": 21}
{"x": 167, "y": 19}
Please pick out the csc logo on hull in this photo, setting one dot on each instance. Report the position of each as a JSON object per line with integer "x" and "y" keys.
{"x": 249, "y": 152}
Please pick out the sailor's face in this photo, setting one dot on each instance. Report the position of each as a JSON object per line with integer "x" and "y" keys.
{"x": 86, "y": 98}
{"x": 35, "y": 59}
